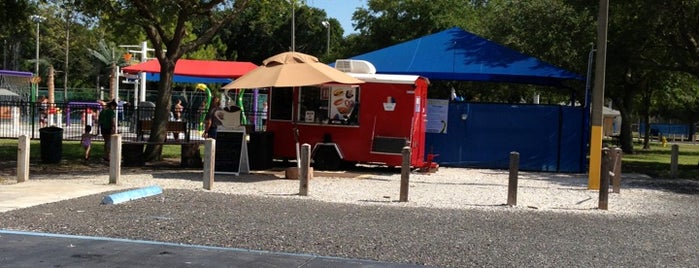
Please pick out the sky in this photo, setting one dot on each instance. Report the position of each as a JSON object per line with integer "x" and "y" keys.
{"x": 339, "y": 9}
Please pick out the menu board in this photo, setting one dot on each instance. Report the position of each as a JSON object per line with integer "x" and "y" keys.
{"x": 437, "y": 116}
{"x": 231, "y": 152}
{"x": 343, "y": 100}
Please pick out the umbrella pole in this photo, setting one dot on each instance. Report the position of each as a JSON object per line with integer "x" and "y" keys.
{"x": 298, "y": 148}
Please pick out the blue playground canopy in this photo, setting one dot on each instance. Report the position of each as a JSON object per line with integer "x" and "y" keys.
{"x": 455, "y": 54}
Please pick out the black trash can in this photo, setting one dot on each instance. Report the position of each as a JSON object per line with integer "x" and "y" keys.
{"x": 51, "y": 144}
{"x": 261, "y": 150}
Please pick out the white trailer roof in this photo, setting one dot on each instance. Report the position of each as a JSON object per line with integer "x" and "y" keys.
{"x": 386, "y": 78}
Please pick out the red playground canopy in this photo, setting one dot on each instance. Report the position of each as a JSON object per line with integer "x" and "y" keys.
{"x": 198, "y": 68}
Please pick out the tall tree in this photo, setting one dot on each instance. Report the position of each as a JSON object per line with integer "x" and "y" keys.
{"x": 169, "y": 26}
{"x": 14, "y": 29}
{"x": 388, "y": 22}
{"x": 676, "y": 28}
{"x": 109, "y": 55}
{"x": 265, "y": 29}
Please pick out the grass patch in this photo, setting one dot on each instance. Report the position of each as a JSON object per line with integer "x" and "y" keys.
{"x": 655, "y": 161}
{"x": 71, "y": 150}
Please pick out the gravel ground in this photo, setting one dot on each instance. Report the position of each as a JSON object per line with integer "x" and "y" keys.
{"x": 454, "y": 218}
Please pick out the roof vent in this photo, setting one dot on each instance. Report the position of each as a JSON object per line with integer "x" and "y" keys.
{"x": 355, "y": 66}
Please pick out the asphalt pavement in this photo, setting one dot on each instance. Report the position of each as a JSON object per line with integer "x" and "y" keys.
{"x": 28, "y": 249}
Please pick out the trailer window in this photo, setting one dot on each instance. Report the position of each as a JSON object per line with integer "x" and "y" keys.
{"x": 281, "y": 108}
{"x": 312, "y": 107}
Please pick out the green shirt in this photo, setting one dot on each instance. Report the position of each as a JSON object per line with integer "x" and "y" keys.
{"x": 106, "y": 118}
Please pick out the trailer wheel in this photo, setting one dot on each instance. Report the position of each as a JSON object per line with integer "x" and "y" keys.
{"x": 326, "y": 158}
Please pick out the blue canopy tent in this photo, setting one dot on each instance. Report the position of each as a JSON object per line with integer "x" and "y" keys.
{"x": 548, "y": 137}
{"x": 455, "y": 54}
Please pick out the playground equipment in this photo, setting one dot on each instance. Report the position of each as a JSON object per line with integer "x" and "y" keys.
{"x": 16, "y": 82}
{"x": 206, "y": 103}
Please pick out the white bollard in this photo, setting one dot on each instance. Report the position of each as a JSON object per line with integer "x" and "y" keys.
{"x": 22, "y": 158}
{"x": 209, "y": 163}
{"x": 115, "y": 159}
{"x": 15, "y": 118}
{"x": 305, "y": 162}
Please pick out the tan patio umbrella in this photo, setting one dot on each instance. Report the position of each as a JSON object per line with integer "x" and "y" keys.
{"x": 291, "y": 69}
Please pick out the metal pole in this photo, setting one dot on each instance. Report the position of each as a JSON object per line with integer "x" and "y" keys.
{"x": 327, "y": 25}
{"x": 293, "y": 25}
{"x": 36, "y": 64}
{"x": 598, "y": 97}
{"x": 604, "y": 180}
{"x": 616, "y": 180}
{"x": 142, "y": 75}
{"x": 405, "y": 175}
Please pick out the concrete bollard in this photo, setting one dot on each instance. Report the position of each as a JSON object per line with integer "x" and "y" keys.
{"x": 209, "y": 163}
{"x": 23, "y": 151}
{"x": 512, "y": 182}
{"x": 674, "y": 160}
{"x": 604, "y": 180}
{"x": 115, "y": 159}
{"x": 305, "y": 162}
{"x": 405, "y": 175}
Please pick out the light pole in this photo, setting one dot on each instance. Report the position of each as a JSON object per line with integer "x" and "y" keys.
{"x": 38, "y": 19}
{"x": 327, "y": 25}
{"x": 293, "y": 25}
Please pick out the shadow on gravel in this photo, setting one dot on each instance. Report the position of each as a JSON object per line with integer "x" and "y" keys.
{"x": 198, "y": 176}
{"x": 676, "y": 186}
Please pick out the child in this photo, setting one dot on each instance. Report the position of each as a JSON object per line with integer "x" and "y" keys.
{"x": 86, "y": 141}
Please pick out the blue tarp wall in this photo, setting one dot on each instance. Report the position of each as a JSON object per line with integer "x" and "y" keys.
{"x": 666, "y": 129}
{"x": 547, "y": 137}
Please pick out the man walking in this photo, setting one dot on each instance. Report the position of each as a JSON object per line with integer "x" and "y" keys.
{"x": 107, "y": 122}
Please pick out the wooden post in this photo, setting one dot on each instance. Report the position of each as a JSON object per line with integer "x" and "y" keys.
{"x": 604, "y": 180}
{"x": 23, "y": 158}
{"x": 674, "y": 160}
{"x": 305, "y": 163}
{"x": 616, "y": 180}
{"x": 405, "y": 175}
{"x": 512, "y": 183}
{"x": 209, "y": 163}
{"x": 115, "y": 159}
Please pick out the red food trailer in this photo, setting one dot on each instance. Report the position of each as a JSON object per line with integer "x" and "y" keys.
{"x": 364, "y": 123}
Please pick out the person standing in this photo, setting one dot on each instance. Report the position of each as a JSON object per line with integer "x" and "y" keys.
{"x": 178, "y": 110}
{"x": 86, "y": 141}
{"x": 211, "y": 122}
{"x": 43, "y": 111}
{"x": 107, "y": 122}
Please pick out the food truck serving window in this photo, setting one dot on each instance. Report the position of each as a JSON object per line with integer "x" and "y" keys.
{"x": 337, "y": 104}
{"x": 281, "y": 108}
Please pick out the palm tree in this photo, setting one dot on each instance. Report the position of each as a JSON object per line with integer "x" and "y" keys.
{"x": 109, "y": 57}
